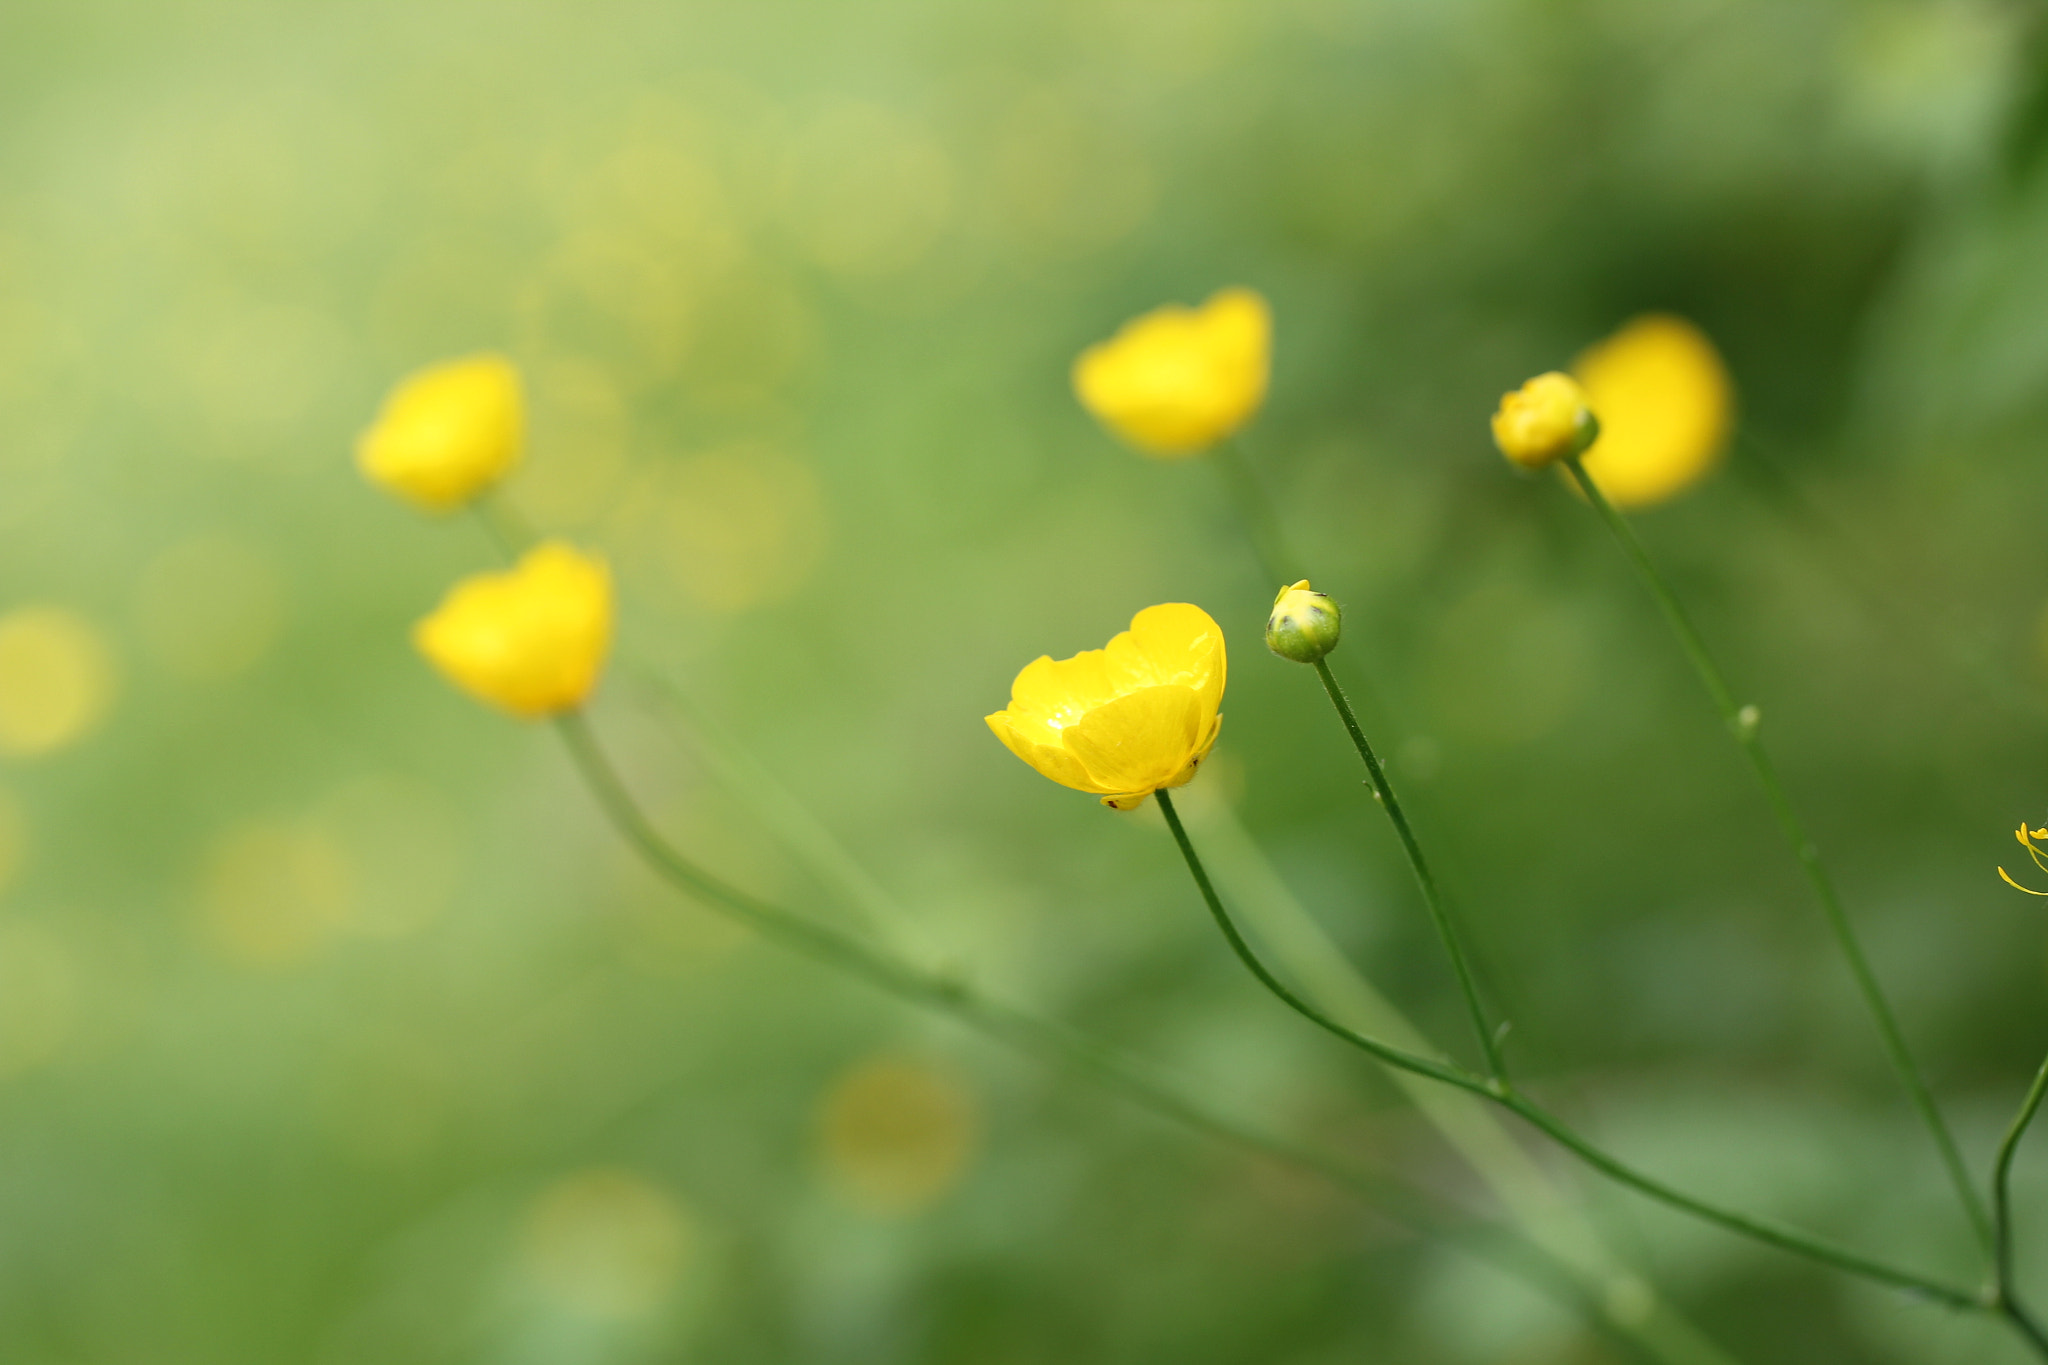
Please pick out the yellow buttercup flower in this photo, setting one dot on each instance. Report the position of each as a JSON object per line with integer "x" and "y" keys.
{"x": 2027, "y": 837}
{"x": 531, "y": 640}
{"x": 1124, "y": 721}
{"x": 1666, "y": 407}
{"x": 447, "y": 432}
{"x": 1177, "y": 380}
{"x": 1544, "y": 421}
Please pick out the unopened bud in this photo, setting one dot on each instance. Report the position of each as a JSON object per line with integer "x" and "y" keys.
{"x": 1544, "y": 421}
{"x": 1304, "y": 625}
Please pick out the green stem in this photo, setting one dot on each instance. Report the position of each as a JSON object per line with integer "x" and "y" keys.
{"x": 1742, "y": 726}
{"x": 2001, "y": 1200}
{"x": 1261, "y": 523}
{"x": 1383, "y": 792}
{"x": 1502, "y": 1093}
{"x": 1030, "y": 1033}
{"x": 1386, "y": 1052}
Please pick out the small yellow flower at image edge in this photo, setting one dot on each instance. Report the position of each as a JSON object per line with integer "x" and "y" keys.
{"x": 1123, "y": 721}
{"x": 1175, "y": 381}
{"x": 531, "y": 640}
{"x": 447, "y": 432}
{"x": 2027, "y": 837}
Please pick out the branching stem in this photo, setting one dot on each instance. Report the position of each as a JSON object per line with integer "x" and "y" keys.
{"x": 1742, "y": 723}
{"x": 1504, "y": 1094}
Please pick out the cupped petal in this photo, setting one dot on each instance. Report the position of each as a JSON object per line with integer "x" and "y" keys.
{"x": 1051, "y": 760}
{"x": 1182, "y": 644}
{"x": 1058, "y": 692}
{"x": 1140, "y": 741}
{"x": 1187, "y": 772}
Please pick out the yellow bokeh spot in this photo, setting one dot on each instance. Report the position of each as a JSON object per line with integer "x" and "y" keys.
{"x": 404, "y": 847}
{"x": 738, "y": 527}
{"x": 865, "y": 191}
{"x": 273, "y": 892}
{"x": 583, "y": 433}
{"x": 895, "y": 1135}
{"x": 209, "y": 608}
{"x": 56, "y": 680}
{"x": 606, "y": 1243}
{"x": 1065, "y": 179}
{"x": 38, "y": 996}
{"x": 1666, "y": 408}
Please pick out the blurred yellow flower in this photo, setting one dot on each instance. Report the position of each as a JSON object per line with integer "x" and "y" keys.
{"x": 1124, "y": 721}
{"x": 608, "y": 1244}
{"x": 1177, "y": 380}
{"x": 1666, "y": 406}
{"x": 531, "y": 640}
{"x": 1544, "y": 421}
{"x": 447, "y": 432}
{"x": 895, "y": 1134}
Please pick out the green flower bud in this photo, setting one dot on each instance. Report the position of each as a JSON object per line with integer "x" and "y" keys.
{"x": 1304, "y": 625}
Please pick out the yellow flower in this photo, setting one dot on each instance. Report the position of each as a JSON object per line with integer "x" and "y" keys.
{"x": 1666, "y": 406}
{"x": 1122, "y": 722}
{"x": 447, "y": 432}
{"x": 1544, "y": 421}
{"x": 531, "y": 640}
{"x": 1176, "y": 380}
{"x": 2027, "y": 838}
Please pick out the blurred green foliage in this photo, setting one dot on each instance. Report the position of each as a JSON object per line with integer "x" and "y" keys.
{"x": 336, "y": 1027}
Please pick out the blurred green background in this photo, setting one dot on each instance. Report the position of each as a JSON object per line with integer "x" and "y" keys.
{"x": 336, "y": 1027}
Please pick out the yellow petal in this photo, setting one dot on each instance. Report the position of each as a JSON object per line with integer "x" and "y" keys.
{"x": 1185, "y": 646}
{"x": 1139, "y": 742}
{"x": 1051, "y": 760}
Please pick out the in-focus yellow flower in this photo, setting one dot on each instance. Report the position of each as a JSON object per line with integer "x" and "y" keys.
{"x": 1124, "y": 721}
{"x": 1177, "y": 380}
{"x": 1666, "y": 406}
{"x": 1544, "y": 421}
{"x": 447, "y": 432}
{"x": 531, "y": 640}
{"x": 2026, "y": 838}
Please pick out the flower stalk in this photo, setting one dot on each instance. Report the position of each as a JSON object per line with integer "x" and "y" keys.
{"x": 1742, "y": 727}
{"x": 2001, "y": 1204}
{"x": 1503, "y": 1093}
{"x": 1383, "y": 792}
{"x": 1394, "y": 1199}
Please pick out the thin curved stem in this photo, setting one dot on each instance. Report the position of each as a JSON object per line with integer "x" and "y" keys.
{"x": 1045, "y": 1038}
{"x": 1383, "y": 792}
{"x": 1386, "y": 1052}
{"x": 1742, "y": 727}
{"x": 2001, "y": 1200}
{"x": 1614, "y": 1168}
